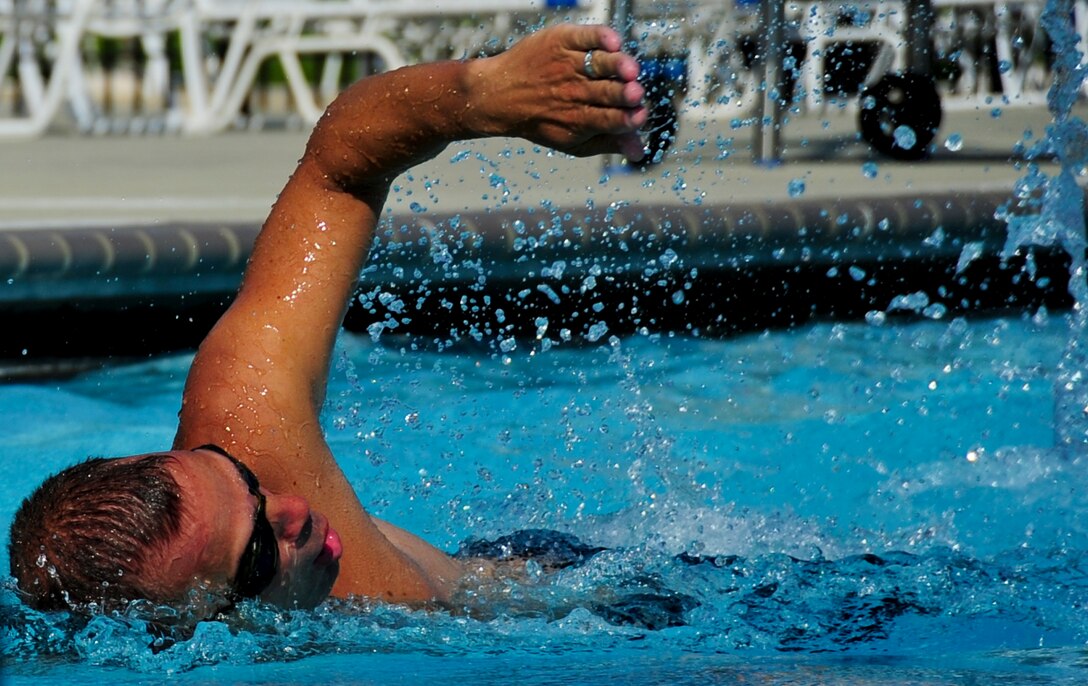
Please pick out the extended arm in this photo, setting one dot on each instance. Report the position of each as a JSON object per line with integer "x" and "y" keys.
{"x": 258, "y": 382}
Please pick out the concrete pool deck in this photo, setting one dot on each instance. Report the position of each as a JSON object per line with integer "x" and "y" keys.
{"x": 136, "y": 223}
{"x": 75, "y": 180}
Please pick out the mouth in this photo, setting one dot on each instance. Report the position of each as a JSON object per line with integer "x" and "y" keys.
{"x": 331, "y": 548}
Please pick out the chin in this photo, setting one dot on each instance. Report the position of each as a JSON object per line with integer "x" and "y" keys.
{"x": 331, "y": 574}
{"x": 321, "y": 588}
{"x": 305, "y": 593}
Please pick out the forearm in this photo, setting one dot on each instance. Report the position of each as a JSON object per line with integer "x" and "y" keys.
{"x": 383, "y": 125}
{"x": 537, "y": 90}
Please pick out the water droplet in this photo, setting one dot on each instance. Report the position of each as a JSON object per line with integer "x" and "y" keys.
{"x": 857, "y": 273}
{"x": 971, "y": 252}
{"x": 954, "y": 142}
{"x": 876, "y": 317}
{"x": 549, "y": 292}
{"x": 596, "y": 331}
{"x": 555, "y": 270}
{"x": 870, "y": 170}
{"x": 996, "y": 112}
{"x": 796, "y": 188}
{"x": 417, "y": 208}
{"x": 905, "y": 137}
{"x": 508, "y": 344}
{"x": 1004, "y": 66}
{"x": 935, "y": 311}
{"x": 911, "y": 301}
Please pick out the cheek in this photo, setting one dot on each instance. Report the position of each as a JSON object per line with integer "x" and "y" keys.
{"x": 184, "y": 566}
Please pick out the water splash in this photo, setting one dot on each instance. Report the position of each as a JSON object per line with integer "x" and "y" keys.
{"x": 1050, "y": 212}
{"x": 771, "y": 602}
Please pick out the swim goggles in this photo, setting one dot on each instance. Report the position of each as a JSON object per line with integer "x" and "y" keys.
{"x": 261, "y": 557}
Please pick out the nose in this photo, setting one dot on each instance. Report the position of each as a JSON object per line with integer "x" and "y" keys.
{"x": 289, "y": 515}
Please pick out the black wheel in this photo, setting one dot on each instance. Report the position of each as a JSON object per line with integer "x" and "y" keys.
{"x": 900, "y": 115}
{"x": 659, "y": 132}
{"x": 663, "y": 80}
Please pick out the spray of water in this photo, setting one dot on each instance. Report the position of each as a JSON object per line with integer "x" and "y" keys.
{"x": 1053, "y": 214}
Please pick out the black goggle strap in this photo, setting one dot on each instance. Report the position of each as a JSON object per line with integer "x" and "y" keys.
{"x": 261, "y": 556}
{"x": 260, "y": 559}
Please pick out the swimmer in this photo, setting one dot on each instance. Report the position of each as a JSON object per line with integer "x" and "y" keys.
{"x": 250, "y": 502}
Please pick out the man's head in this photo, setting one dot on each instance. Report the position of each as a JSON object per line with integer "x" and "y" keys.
{"x": 161, "y": 526}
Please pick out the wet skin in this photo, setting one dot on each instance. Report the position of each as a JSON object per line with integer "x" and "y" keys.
{"x": 258, "y": 382}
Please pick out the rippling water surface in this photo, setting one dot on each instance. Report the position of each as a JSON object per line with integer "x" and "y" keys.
{"x": 838, "y": 504}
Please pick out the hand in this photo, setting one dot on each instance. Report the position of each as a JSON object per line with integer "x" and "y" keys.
{"x": 539, "y": 90}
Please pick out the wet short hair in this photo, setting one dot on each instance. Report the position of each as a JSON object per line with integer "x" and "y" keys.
{"x": 89, "y": 535}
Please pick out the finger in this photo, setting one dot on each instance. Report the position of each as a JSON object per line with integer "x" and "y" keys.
{"x": 615, "y": 94}
{"x": 633, "y": 94}
{"x": 590, "y": 37}
{"x": 636, "y": 117}
{"x": 614, "y": 65}
{"x": 615, "y": 120}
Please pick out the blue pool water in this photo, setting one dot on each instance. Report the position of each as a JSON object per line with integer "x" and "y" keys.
{"x": 839, "y": 504}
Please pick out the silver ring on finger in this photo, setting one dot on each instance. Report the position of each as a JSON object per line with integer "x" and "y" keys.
{"x": 588, "y": 64}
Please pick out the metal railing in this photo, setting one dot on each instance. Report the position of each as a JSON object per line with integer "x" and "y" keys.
{"x": 202, "y": 66}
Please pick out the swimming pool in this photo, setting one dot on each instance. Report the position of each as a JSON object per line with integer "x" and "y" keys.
{"x": 842, "y": 503}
